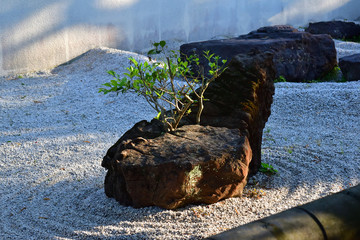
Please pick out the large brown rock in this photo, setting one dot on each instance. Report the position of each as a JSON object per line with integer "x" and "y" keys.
{"x": 195, "y": 164}
{"x": 298, "y": 56}
{"x": 241, "y": 98}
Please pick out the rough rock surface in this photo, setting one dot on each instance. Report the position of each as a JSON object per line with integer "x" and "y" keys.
{"x": 241, "y": 98}
{"x": 350, "y": 67}
{"x": 195, "y": 164}
{"x": 298, "y": 56}
{"x": 336, "y": 29}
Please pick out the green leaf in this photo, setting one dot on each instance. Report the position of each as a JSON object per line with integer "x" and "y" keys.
{"x": 123, "y": 82}
{"x": 267, "y": 169}
{"x": 151, "y": 52}
{"x": 159, "y": 94}
{"x": 280, "y": 79}
{"x": 158, "y": 116}
{"x": 162, "y": 43}
{"x": 135, "y": 86}
{"x": 133, "y": 61}
{"x": 114, "y": 82}
{"x": 111, "y": 73}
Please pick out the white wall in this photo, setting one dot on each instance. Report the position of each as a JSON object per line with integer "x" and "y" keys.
{"x": 41, "y": 34}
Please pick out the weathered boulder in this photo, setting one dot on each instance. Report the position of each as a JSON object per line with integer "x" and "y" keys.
{"x": 336, "y": 29}
{"x": 198, "y": 163}
{"x": 241, "y": 98}
{"x": 298, "y": 56}
{"x": 350, "y": 67}
{"x": 195, "y": 164}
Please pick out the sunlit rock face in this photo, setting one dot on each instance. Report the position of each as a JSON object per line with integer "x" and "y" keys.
{"x": 298, "y": 56}
{"x": 195, "y": 164}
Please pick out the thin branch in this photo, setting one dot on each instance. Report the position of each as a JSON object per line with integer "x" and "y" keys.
{"x": 168, "y": 101}
{"x": 183, "y": 111}
{"x": 191, "y": 87}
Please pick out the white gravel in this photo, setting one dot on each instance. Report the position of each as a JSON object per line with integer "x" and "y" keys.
{"x": 55, "y": 128}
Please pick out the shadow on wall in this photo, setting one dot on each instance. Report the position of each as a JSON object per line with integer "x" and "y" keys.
{"x": 42, "y": 34}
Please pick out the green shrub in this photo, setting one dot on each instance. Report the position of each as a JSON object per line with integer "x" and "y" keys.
{"x": 333, "y": 75}
{"x": 353, "y": 39}
{"x": 155, "y": 81}
{"x": 280, "y": 79}
{"x": 267, "y": 169}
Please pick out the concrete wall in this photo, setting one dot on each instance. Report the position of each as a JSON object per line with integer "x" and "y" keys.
{"x": 40, "y": 34}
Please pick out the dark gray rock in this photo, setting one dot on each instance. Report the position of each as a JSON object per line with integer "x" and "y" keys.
{"x": 336, "y": 29}
{"x": 350, "y": 67}
{"x": 298, "y": 56}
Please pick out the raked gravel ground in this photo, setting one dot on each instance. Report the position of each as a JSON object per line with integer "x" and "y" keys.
{"x": 55, "y": 128}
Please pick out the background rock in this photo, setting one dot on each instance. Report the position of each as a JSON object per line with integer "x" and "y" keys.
{"x": 298, "y": 56}
{"x": 336, "y": 29}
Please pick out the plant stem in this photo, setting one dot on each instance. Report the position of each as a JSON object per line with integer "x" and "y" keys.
{"x": 183, "y": 111}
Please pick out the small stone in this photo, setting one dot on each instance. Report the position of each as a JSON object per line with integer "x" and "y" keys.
{"x": 350, "y": 67}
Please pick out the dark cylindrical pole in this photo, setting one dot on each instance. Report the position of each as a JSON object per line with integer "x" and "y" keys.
{"x": 333, "y": 217}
